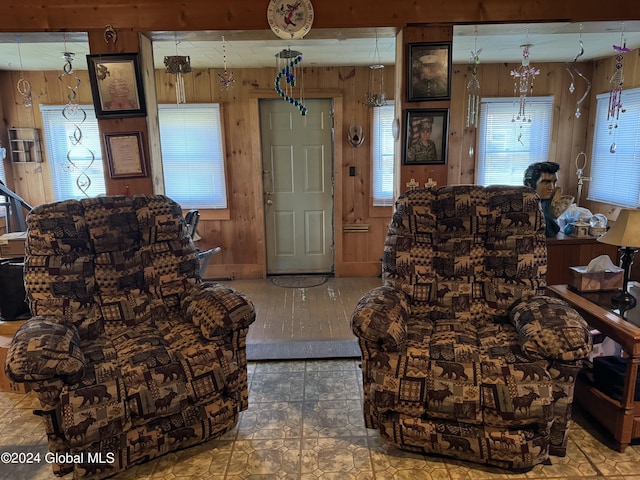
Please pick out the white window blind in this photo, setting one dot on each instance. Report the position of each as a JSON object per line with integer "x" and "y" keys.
{"x": 75, "y": 158}
{"x": 615, "y": 172}
{"x": 383, "y": 161}
{"x": 193, "y": 155}
{"x": 507, "y": 146}
{"x": 3, "y": 177}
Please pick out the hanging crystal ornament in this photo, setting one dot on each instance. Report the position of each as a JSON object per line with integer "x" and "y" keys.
{"x": 23, "y": 86}
{"x": 178, "y": 65}
{"x": 523, "y": 77}
{"x": 76, "y": 116}
{"x": 473, "y": 88}
{"x": 287, "y": 65}
{"x": 375, "y": 96}
{"x": 226, "y": 79}
{"x": 573, "y": 67}
{"x": 616, "y": 82}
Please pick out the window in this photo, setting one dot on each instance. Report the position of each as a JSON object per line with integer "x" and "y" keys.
{"x": 615, "y": 164}
{"x": 3, "y": 177}
{"x": 192, "y": 155}
{"x": 507, "y": 146}
{"x": 75, "y": 158}
{"x": 383, "y": 160}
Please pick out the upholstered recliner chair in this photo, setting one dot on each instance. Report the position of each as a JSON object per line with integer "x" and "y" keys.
{"x": 462, "y": 354}
{"x": 130, "y": 354}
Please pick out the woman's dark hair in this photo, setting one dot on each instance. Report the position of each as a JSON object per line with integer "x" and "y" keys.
{"x": 533, "y": 172}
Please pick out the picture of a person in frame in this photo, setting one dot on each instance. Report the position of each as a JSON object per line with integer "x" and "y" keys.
{"x": 429, "y": 73}
{"x": 422, "y": 148}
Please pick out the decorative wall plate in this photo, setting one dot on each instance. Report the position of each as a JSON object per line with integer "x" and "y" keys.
{"x": 290, "y": 19}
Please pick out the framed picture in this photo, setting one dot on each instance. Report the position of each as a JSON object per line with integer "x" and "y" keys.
{"x": 116, "y": 85}
{"x": 125, "y": 154}
{"x": 429, "y": 75}
{"x": 426, "y": 136}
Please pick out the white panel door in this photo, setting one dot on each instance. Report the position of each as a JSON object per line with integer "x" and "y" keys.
{"x": 297, "y": 159}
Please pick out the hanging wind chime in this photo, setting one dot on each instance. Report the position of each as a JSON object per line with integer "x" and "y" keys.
{"x": 178, "y": 65}
{"x": 226, "y": 79}
{"x": 473, "y": 88}
{"x": 615, "y": 92}
{"x": 574, "y": 67}
{"x": 76, "y": 116}
{"x": 523, "y": 77}
{"x": 23, "y": 86}
{"x": 375, "y": 96}
{"x": 288, "y": 66}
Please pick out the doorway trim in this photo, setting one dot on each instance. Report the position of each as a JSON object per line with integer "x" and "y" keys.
{"x": 338, "y": 138}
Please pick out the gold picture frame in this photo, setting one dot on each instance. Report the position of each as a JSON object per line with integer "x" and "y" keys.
{"x": 125, "y": 154}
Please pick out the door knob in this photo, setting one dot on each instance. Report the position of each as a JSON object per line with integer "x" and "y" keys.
{"x": 269, "y": 202}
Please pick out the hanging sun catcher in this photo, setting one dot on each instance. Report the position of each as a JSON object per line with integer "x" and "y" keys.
{"x": 75, "y": 115}
{"x": 288, "y": 66}
{"x": 226, "y": 79}
{"x": 523, "y": 77}
{"x": 617, "y": 80}
{"x": 23, "y": 86}
{"x": 473, "y": 87}
{"x": 574, "y": 68}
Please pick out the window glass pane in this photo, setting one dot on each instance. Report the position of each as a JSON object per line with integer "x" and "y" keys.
{"x": 192, "y": 155}
{"x": 507, "y": 146}
{"x": 73, "y": 150}
{"x": 383, "y": 159}
{"x": 615, "y": 165}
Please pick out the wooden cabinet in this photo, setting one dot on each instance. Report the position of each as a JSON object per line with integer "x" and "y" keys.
{"x": 564, "y": 251}
{"x": 24, "y": 144}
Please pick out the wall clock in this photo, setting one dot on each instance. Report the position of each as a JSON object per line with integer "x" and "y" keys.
{"x": 290, "y": 19}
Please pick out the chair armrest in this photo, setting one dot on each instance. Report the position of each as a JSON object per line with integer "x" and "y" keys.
{"x": 217, "y": 309}
{"x": 380, "y": 317}
{"x": 551, "y": 329}
{"x": 43, "y": 349}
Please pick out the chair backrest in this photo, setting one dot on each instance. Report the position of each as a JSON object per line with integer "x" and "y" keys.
{"x": 466, "y": 251}
{"x": 106, "y": 263}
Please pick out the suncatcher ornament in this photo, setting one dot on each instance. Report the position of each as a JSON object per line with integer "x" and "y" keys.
{"x": 226, "y": 79}
{"x": 473, "y": 87}
{"x": 523, "y": 77}
{"x": 287, "y": 65}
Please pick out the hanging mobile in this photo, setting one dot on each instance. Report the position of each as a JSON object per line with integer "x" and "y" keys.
{"x": 226, "y": 79}
{"x": 288, "y": 72}
{"x": 615, "y": 93}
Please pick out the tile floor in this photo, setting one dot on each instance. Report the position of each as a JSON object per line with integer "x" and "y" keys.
{"x": 305, "y": 422}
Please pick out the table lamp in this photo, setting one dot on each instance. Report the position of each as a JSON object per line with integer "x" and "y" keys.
{"x": 625, "y": 234}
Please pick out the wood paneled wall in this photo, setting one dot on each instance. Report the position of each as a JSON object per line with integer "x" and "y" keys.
{"x": 358, "y": 250}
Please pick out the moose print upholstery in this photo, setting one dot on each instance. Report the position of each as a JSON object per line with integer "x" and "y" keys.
{"x": 130, "y": 353}
{"x": 462, "y": 354}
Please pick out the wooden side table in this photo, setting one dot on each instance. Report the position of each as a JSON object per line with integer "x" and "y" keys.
{"x": 620, "y": 417}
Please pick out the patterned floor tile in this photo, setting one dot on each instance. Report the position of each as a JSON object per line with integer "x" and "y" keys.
{"x": 271, "y": 420}
{"x": 276, "y": 458}
{"x": 336, "y": 418}
{"x": 340, "y": 458}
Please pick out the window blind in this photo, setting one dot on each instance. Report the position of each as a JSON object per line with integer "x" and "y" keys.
{"x": 507, "y": 146}
{"x": 192, "y": 155}
{"x": 75, "y": 157}
{"x": 615, "y": 164}
{"x": 382, "y": 152}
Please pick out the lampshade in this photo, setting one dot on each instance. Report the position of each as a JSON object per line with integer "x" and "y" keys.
{"x": 625, "y": 231}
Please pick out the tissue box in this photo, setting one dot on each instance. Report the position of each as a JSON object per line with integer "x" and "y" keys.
{"x": 584, "y": 281}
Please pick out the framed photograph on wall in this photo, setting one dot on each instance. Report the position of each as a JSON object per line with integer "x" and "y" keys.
{"x": 429, "y": 71}
{"x": 125, "y": 154}
{"x": 426, "y": 136}
{"x": 116, "y": 85}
